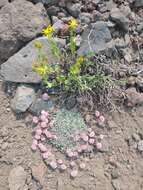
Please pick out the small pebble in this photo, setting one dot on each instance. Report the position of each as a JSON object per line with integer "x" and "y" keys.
{"x": 53, "y": 165}
{"x": 60, "y": 161}
{"x": 72, "y": 164}
{"x": 74, "y": 173}
{"x": 63, "y": 167}
{"x": 82, "y": 166}
{"x": 45, "y": 97}
{"x": 101, "y": 137}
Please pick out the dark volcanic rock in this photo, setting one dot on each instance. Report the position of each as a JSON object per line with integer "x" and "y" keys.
{"x": 96, "y": 38}
{"x": 20, "y": 22}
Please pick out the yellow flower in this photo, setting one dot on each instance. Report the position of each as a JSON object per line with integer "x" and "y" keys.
{"x": 42, "y": 71}
{"x": 38, "y": 44}
{"x": 80, "y": 59}
{"x": 73, "y": 24}
{"x": 48, "y": 31}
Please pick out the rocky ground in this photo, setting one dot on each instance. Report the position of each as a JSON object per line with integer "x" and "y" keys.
{"x": 114, "y": 30}
{"x": 118, "y": 167}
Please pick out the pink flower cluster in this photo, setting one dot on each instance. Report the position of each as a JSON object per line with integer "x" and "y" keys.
{"x": 42, "y": 133}
{"x": 100, "y": 119}
{"x": 86, "y": 142}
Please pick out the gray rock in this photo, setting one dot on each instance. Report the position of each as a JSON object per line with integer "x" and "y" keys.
{"x": 3, "y": 3}
{"x": 116, "y": 184}
{"x": 46, "y": 2}
{"x": 17, "y": 178}
{"x": 74, "y": 9}
{"x": 58, "y": 25}
{"x": 97, "y": 38}
{"x": 40, "y": 105}
{"x": 138, "y": 3}
{"x": 119, "y": 18}
{"x": 140, "y": 146}
{"x": 20, "y": 22}
{"x": 53, "y": 10}
{"x": 18, "y": 68}
{"x": 23, "y": 99}
{"x": 85, "y": 17}
{"x": 140, "y": 27}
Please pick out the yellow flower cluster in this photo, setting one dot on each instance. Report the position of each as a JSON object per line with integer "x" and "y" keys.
{"x": 48, "y": 31}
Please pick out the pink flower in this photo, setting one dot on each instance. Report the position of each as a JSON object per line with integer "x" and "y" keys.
{"x": 99, "y": 146}
{"x": 35, "y": 142}
{"x": 84, "y": 147}
{"x": 45, "y": 97}
{"x": 48, "y": 134}
{"x": 37, "y": 137}
{"x": 42, "y": 147}
{"x": 91, "y": 141}
{"x": 35, "y": 120}
{"x": 84, "y": 137}
{"x": 45, "y": 113}
{"x": 54, "y": 137}
{"x": 75, "y": 154}
{"x": 82, "y": 166}
{"x": 38, "y": 132}
{"x": 43, "y": 118}
{"x": 34, "y": 147}
{"x": 53, "y": 165}
{"x": 51, "y": 124}
{"x": 69, "y": 153}
{"x": 97, "y": 113}
{"x": 102, "y": 119}
{"x": 43, "y": 138}
{"x": 92, "y": 134}
{"x": 79, "y": 150}
{"x": 43, "y": 124}
{"x": 45, "y": 155}
{"x": 74, "y": 173}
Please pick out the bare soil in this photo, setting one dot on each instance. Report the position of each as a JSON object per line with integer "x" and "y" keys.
{"x": 120, "y": 167}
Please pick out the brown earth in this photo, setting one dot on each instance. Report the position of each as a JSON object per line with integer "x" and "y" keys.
{"x": 120, "y": 167}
